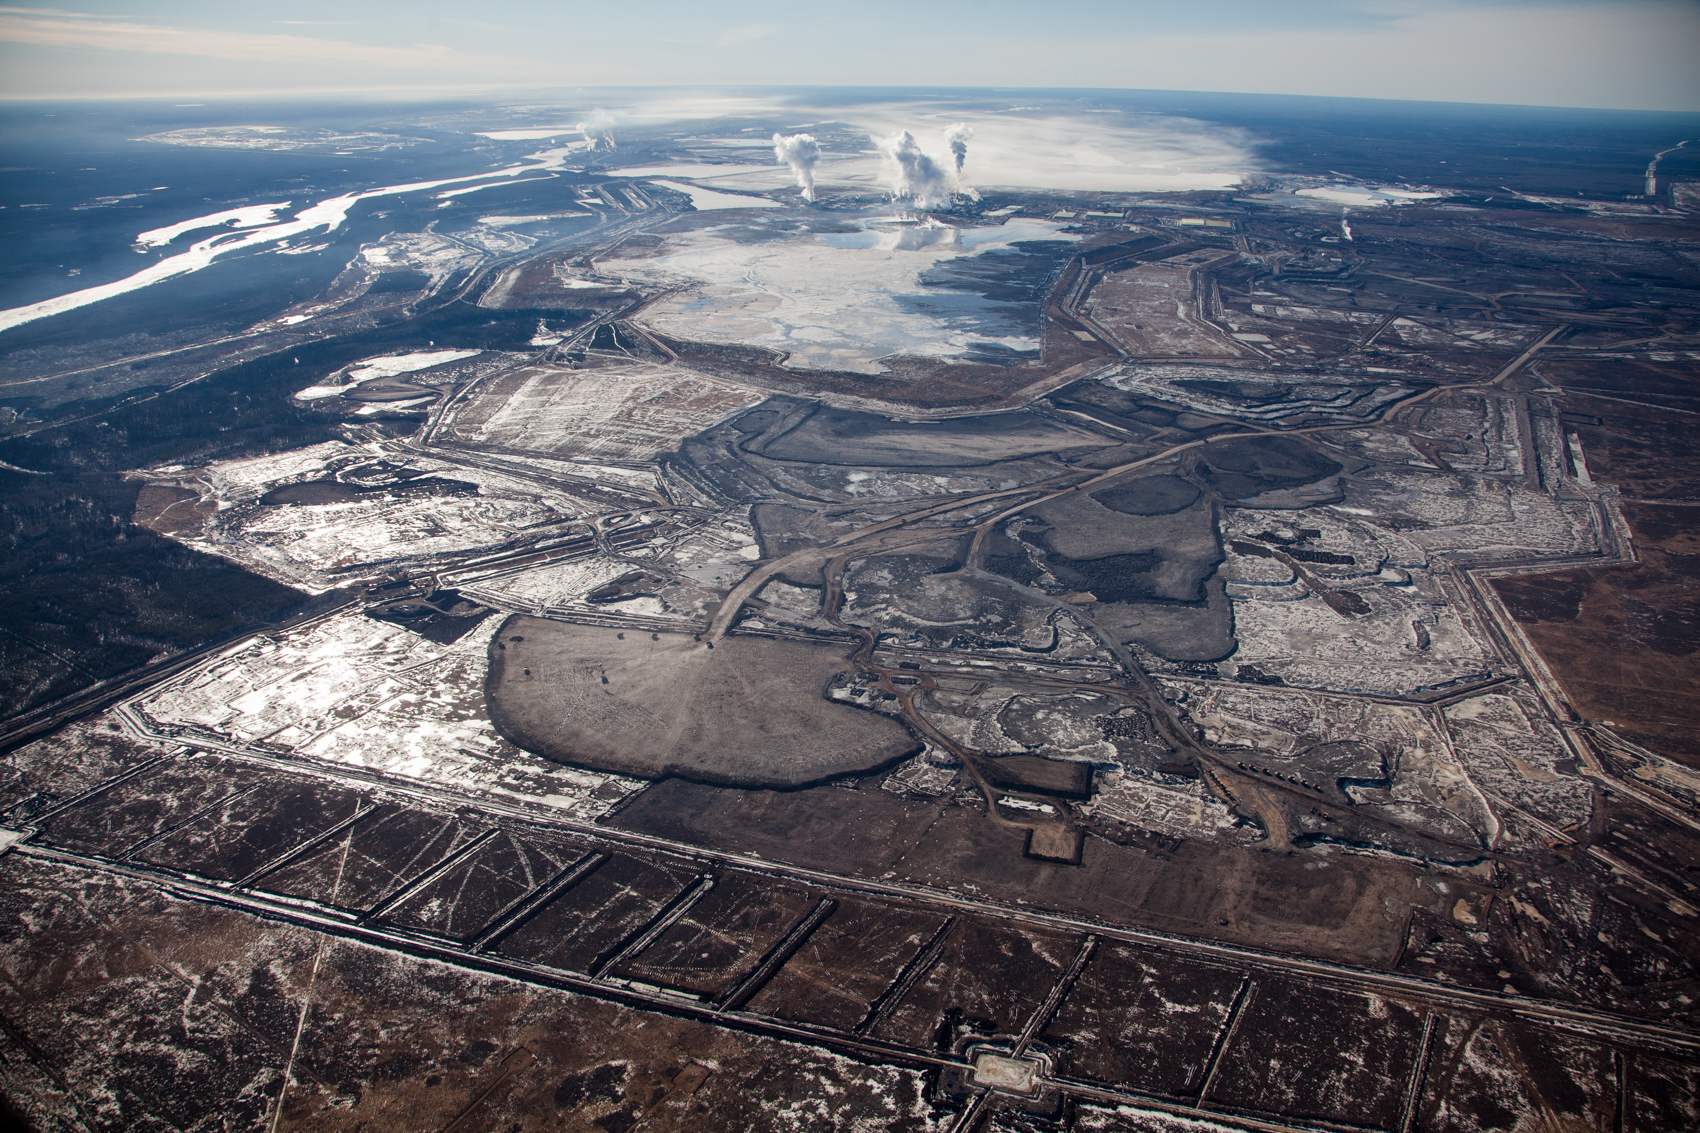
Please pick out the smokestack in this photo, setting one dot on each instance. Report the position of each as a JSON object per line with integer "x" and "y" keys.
{"x": 800, "y": 152}
{"x": 957, "y": 138}
{"x": 913, "y": 175}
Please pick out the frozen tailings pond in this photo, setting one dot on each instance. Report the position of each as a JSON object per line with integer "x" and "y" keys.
{"x": 843, "y": 294}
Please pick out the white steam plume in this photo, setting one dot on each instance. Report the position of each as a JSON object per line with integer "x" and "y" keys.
{"x": 800, "y": 152}
{"x": 598, "y": 131}
{"x": 912, "y": 174}
{"x": 957, "y": 138}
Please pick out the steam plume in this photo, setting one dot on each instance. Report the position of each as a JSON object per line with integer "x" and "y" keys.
{"x": 912, "y": 174}
{"x": 800, "y": 152}
{"x": 598, "y": 132}
{"x": 957, "y": 138}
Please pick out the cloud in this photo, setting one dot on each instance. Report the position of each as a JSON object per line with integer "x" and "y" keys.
{"x": 1628, "y": 54}
{"x": 505, "y": 29}
{"x": 61, "y": 30}
{"x": 1045, "y": 150}
{"x": 745, "y": 34}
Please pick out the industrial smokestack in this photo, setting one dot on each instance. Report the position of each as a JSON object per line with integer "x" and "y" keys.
{"x": 957, "y": 138}
{"x": 912, "y": 175}
{"x": 800, "y": 152}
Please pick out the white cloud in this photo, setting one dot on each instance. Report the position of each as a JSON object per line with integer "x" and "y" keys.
{"x": 63, "y": 31}
{"x": 1632, "y": 54}
{"x": 50, "y": 12}
{"x": 1128, "y": 154}
{"x": 1628, "y": 54}
{"x": 745, "y": 34}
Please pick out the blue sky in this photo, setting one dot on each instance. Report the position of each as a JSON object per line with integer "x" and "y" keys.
{"x": 1629, "y": 54}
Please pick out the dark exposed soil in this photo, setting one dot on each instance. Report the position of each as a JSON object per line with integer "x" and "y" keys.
{"x": 312, "y": 492}
{"x": 468, "y": 896}
{"x": 591, "y": 920}
{"x": 846, "y": 964}
{"x": 1248, "y": 466}
{"x": 1624, "y": 641}
{"x": 230, "y": 841}
{"x": 1201, "y": 888}
{"x": 1142, "y": 1019}
{"x": 150, "y": 804}
{"x": 1150, "y": 495}
{"x": 1043, "y": 776}
{"x": 381, "y": 851}
{"x": 1544, "y": 597}
{"x": 159, "y": 1013}
{"x": 1288, "y": 1057}
{"x": 723, "y": 936}
{"x": 986, "y": 979}
{"x": 171, "y": 510}
{"x": 746, "y": 711}
{"x": 842, "y": 436}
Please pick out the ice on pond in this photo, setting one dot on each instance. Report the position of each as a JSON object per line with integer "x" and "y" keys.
{"x": 1366, "y": 195}
{"x": 840, "y": 300}
{"x": 697, "y": 171}
{"x": 707, "y": 200}
{"x": 385, "y": 367}
{"x": 391, "y": 365}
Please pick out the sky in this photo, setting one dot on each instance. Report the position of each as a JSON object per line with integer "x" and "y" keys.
{"x": 1619, "y": 54}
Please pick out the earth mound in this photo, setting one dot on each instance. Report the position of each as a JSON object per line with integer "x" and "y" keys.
{"x": 748, "y": 712}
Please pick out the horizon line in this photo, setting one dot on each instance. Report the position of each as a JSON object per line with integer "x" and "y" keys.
{"x": 420, "y": 93}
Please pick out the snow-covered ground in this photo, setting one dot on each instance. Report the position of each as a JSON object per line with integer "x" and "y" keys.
{"x": 839, "y": 301}
{"x": 1366, "y": 195}
{"x": 388, "y": 366}
{"x": 620, "y": 410}
{"x": 368, "y": 694}
{"x": 707, "y": 200}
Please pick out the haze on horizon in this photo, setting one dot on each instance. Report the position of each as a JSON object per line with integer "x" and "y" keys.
{"x": 1623, "y": 54}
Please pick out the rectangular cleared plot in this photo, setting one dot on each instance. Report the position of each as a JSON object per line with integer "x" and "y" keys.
{"x": 1491, "y": 1074}
{"x": 56, "y": 769}
{"x": 846, "y": 964}
{"x": 1320, "y": 1053}
{"x": 112, "y": 822}
{"x": 1664, "y": 1092}
{"x": 1142, "y": 1020}
{"x": 628, "y": 409}
{"x": 722, "y": 937}
{"x": 377, "y": 856}
{"x": 471, "y": 894}
{"x": 590, "y": 921}
{"x": 987, "y": 977}
{"x": 1145, "y": 307}
{"x": 240, "y": 836}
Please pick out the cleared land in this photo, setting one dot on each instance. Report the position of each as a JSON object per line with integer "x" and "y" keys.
{"x": 746, "y": 712}
{"x": 841, "y": 436}
{"x": 1151, "y": 310}
{"x": 616, "y": 409}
